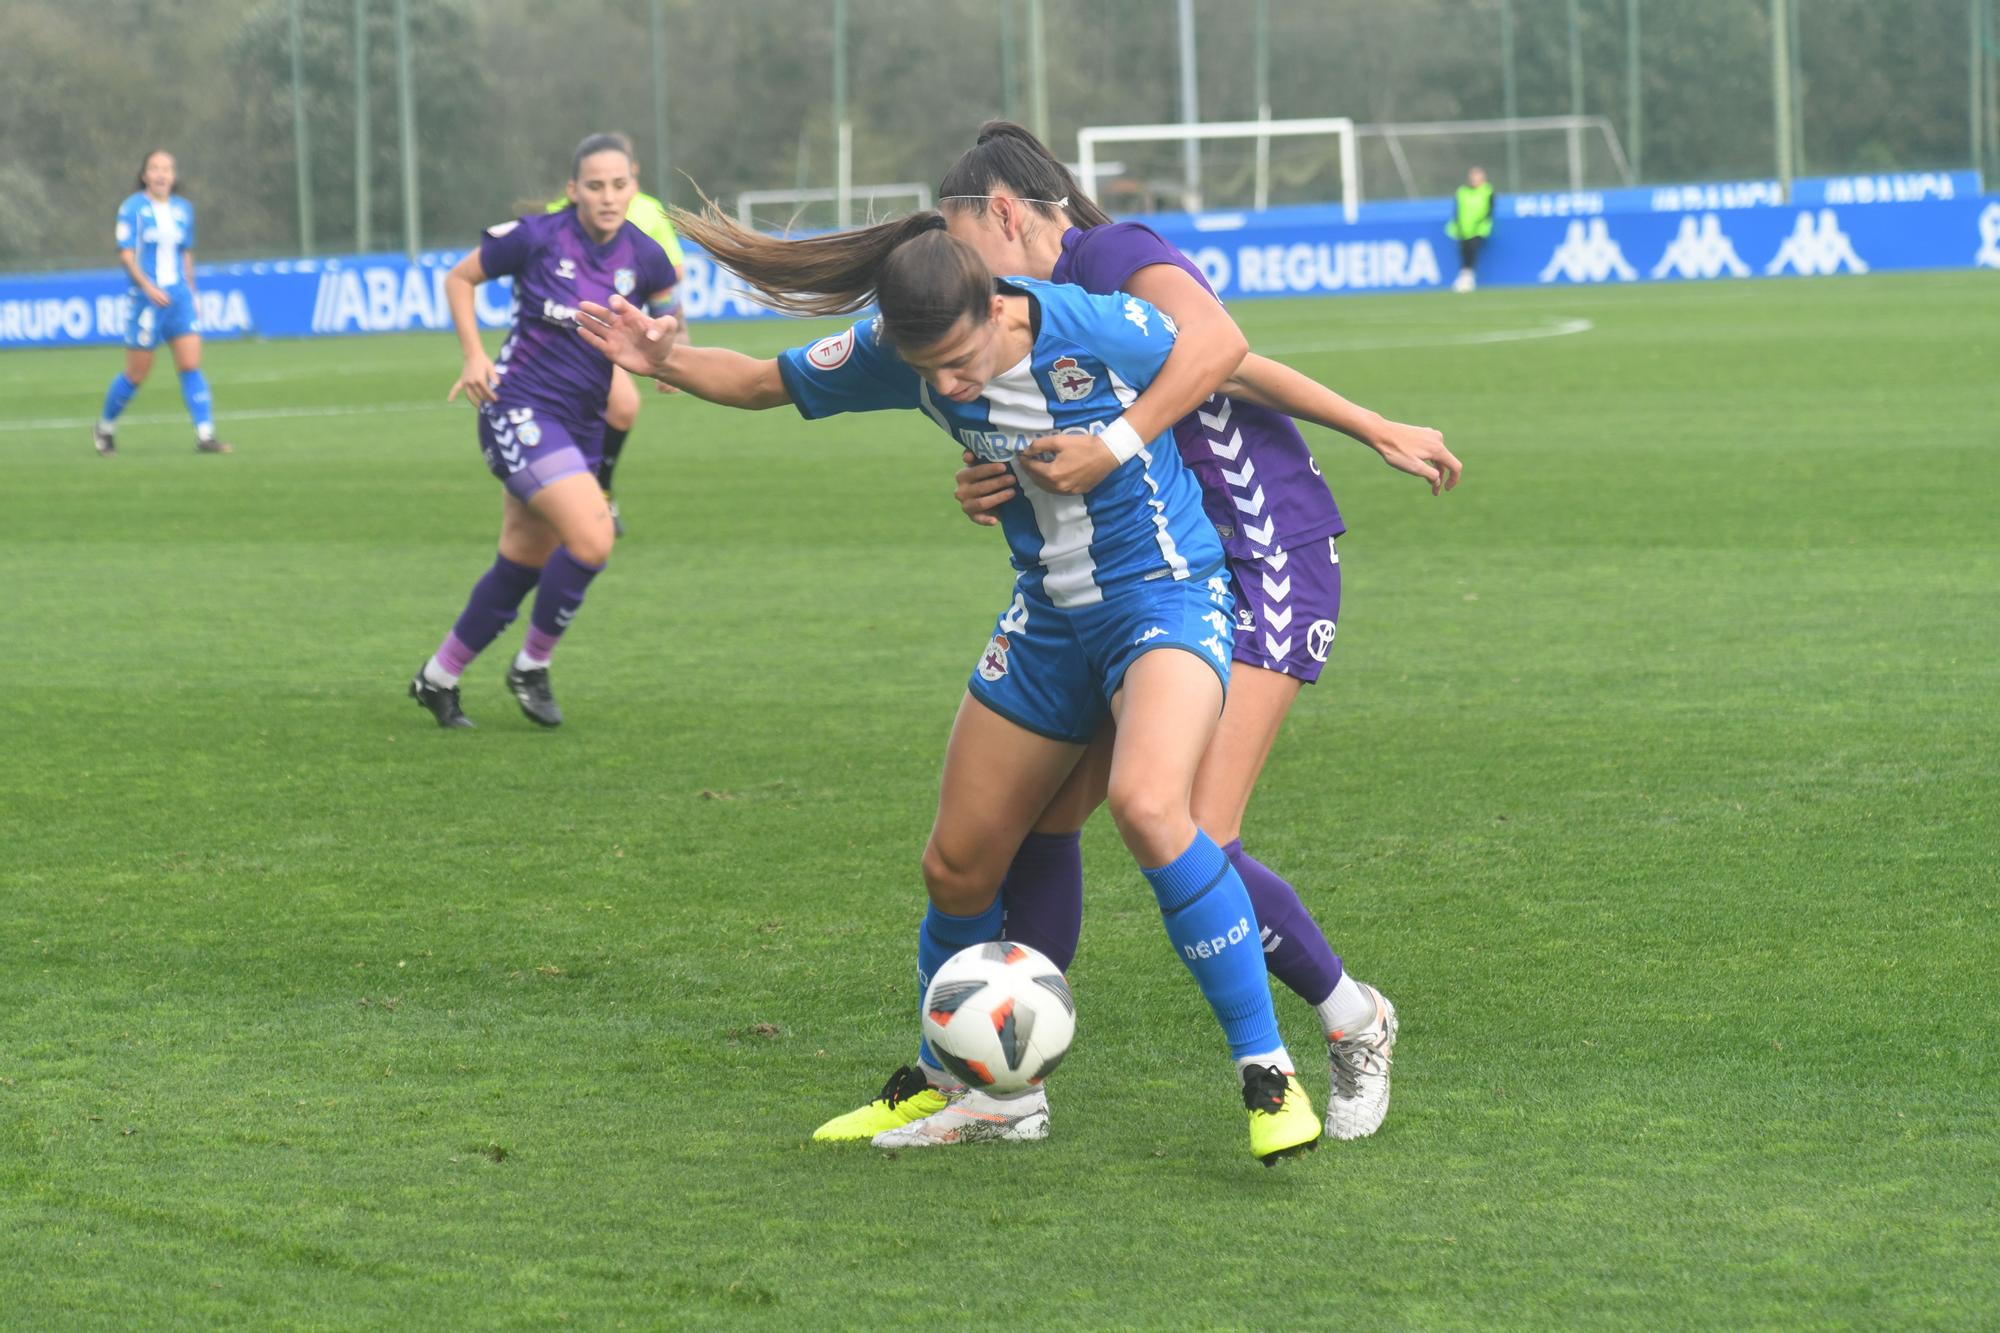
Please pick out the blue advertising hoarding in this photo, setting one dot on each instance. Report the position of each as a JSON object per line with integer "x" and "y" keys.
{"x": 1289, "y": 252}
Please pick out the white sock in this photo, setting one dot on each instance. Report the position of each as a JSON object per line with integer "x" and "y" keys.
{"x": 936, "y": 1076}
{"x": 106, "y": 426}
{"x": 523, "y": 662}
{"x": 1349, "y": 1009}
{"x": 437, "y": 675}
{"x": 204, "y": 432}
{"x": 1279, "y": 1057}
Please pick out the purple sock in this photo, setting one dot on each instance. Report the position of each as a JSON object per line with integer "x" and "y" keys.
{"x": 1043, "y": 895}
{"x": 564, "y": 581}
{"x": 1295, "y": 949}
{"x": 491, "y": 608}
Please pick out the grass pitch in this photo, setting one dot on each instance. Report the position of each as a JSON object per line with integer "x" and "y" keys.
{"x": 1653, "y": 775}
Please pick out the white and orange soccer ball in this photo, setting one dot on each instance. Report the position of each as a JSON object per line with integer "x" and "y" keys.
{"x": 1000, "y": 1016}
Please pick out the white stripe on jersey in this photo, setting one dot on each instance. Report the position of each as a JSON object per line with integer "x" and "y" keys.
{"x": 167, "y": 249}
{"x": 1127, "y": 395}
{"x": 1015, "y": 404}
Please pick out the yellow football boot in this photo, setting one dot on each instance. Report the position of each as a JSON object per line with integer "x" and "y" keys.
{"x": 1282, "y": 1120}
{"x": 907, "y": 1096}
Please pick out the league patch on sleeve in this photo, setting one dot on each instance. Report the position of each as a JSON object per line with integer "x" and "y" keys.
{"x": 831, "y": 353}
{"x": 499, "y": 229}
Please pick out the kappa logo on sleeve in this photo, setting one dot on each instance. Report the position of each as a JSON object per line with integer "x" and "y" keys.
{"x": 831, "y": 353}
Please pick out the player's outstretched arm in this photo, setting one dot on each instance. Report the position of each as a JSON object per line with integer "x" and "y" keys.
{"x": 1417, "y": 450}
{"x": 653, "y": 346}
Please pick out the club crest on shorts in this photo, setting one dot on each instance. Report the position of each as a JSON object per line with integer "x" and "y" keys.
{"x": 831, "y": 353}
{"x": 1070, "y": 380}
{"x": 624, "y": 280}
{"x": 529, "y": 434}
{"x": 1319, "y": 638}
{"x": 993, "y": 662}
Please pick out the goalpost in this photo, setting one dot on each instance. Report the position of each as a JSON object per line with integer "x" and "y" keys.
{"x": 1262, "y": 131}
{"x": 1391, "y": 146}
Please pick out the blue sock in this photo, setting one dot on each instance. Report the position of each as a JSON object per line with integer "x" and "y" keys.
{"x": 1208, "y": 917}
{"x": 941, "y": 936}
{"x": 118, "y": 396}
{"x": 194, "y": 392}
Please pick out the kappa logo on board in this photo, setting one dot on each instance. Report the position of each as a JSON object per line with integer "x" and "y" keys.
{"x": 1588, "y": 254}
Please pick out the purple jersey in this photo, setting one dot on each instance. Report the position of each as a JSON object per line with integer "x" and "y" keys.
{"x": 1259, "y": 483}
{"x": 554, "y": 265}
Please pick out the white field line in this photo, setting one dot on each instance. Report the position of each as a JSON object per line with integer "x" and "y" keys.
{"x": 224, "y": 418}
{"x": 1558, "y": 329}
{"x": 1361, "y": 343}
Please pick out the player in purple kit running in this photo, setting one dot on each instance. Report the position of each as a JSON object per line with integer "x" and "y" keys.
{"x": 541, "y": 419}
{"x": 1012, "y": 200}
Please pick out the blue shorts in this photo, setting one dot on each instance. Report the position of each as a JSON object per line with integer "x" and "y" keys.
{"x": 1054, "y": 669}
{"x": 148, "y": 325}
{"x": 527, "y": 448}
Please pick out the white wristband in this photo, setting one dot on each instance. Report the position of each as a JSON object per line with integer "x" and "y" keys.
{"x": 1122, "y": 439}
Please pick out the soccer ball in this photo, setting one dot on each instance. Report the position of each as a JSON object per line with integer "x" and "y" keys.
{"x": 1000, "y": 1016}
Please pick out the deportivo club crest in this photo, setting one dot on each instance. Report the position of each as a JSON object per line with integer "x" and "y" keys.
{"x": 993, "y": 662}
{"x": 1070, "y": 380}
{"x": 625, "y": 280}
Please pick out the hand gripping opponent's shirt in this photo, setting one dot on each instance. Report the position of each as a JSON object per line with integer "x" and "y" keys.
{"x": 1258, "y": 479}
{"x": 555, "y": 265}
{"x": 1092, "y": 355}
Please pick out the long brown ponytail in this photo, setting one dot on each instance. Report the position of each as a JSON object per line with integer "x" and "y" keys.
{"x": 1007, "y": 154}
{"x": 922, "y": 279}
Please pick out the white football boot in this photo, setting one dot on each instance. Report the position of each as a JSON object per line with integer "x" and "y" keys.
{"x": 977, "y": 1117}
{"x": 1360, "y": 1060}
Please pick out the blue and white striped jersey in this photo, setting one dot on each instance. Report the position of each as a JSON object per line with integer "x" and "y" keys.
{"x": 157, "y": 234}
{"x": 1092, "y": 356}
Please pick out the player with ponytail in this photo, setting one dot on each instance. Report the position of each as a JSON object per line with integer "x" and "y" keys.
{"x": 1119, "y": 608}
{"x": 1013, "y": 201}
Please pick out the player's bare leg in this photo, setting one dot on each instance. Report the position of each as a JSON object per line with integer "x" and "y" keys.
{"x": 998, "y": 777}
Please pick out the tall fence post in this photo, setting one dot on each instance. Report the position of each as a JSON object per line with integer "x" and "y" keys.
{"x": 663, "y": 161}
{"x": 363, "y": 239}
{"x": 301, "y": 146}
{"x": 1509, "y": 101}
{"x": 406, "y": 117}
{"x": 1781, "y": 94}
{"x": 1634, "y": 104}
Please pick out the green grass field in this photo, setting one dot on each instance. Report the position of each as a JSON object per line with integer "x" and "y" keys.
{"x": 1655, "y": 777}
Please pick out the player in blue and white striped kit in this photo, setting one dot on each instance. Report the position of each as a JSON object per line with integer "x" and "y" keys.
{"x": 156, "y": 246}
{"x": 1119, "y": 608}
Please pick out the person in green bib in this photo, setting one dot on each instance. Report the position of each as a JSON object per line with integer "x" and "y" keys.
{"x": 1471, "y": 223}
{"x": 621, "y": 409}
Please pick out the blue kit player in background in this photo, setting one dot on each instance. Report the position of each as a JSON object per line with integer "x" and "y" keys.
{"x": 541, "y": 419}
{"x": 156, "y": 245}
{"x": 1119, "y": 608}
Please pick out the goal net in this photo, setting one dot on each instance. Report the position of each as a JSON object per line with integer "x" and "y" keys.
{"x": 1426, "y": 159}
{"x": 804, "y": 210}
{"x": 1233, "y": 164}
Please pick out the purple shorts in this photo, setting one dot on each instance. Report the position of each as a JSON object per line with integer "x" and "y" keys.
{"x": 527, "y": 449}
{"x": 1287, "y": 604}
